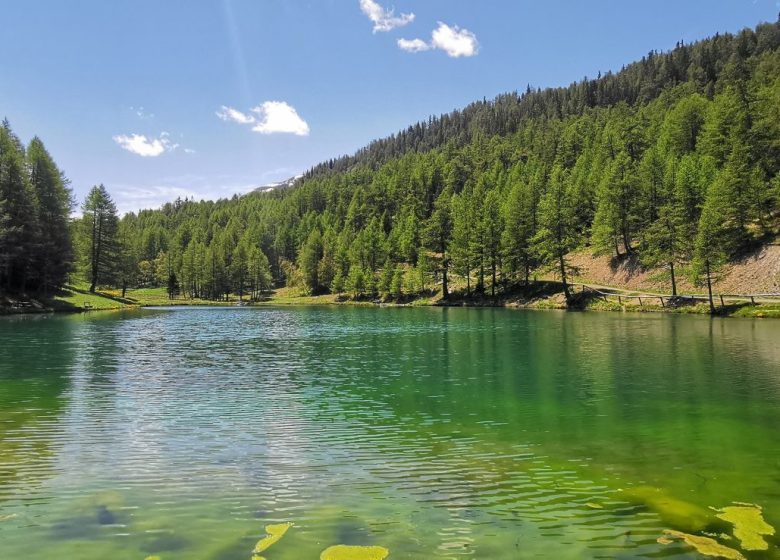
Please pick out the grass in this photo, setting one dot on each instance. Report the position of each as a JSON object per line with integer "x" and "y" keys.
{"x": 540, "y": 295}
{"x": 78, "y": 298}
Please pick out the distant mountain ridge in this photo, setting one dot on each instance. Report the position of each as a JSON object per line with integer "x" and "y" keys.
{"x": 701, "y": 63}
{"x": 287, "y": 183}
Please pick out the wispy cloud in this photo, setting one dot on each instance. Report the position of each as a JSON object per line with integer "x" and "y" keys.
{"x": 384, "y": 19}
{"x": 270, "y": 117}
{"x": 454, "y": 41}
{"x": 145, "y": 146}
{"x": 142, "y": 113}
{"x": 413, "y": 45}
{"x": 229, "y": 114}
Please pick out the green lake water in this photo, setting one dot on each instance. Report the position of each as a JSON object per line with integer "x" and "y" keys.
{"x": 436, "y": 433}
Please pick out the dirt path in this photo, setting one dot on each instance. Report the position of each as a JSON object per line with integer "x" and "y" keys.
{"x": 758, "y": 273}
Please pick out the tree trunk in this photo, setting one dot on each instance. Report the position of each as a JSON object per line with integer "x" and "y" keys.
{"x": 444, "y": 287}
{"x": 97, "y": 239}
{"x": 709, "y": 287}
{"x": 563, "y": 279}
{"x": 674, "y": 280}
{"x": 626, "y": 242}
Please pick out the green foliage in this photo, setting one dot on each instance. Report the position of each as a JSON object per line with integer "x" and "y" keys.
{"x": 98, "y": 230}
{"x": 675, "y": 159}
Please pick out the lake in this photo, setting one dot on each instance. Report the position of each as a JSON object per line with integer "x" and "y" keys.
{"x": 436, "y": 433}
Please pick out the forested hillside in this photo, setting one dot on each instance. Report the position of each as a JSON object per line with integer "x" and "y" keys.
{"x": 673, "y": 161}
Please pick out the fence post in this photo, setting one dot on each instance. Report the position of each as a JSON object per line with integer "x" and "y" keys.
{"x": 620, "y": 300}
{"x": 752, "y": 300}
{"x": 640, "y": 301}
{"x": 722, "y": 304}
{"x": 662, "y": 301}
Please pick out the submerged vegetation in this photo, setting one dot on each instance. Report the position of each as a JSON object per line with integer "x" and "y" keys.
{"x": 337, "y": 552}
{"x": 703, "y": 545}
{"x": 749, "y": 525}
{"x": 344, "y": 552}
{"x": 275, "y": 532}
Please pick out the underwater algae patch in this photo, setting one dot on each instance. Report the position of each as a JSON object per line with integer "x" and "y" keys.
{"x": 344, "y": 552}
{"x": 749, "y": 524}
{"x": 703, "y": 545}
{"x": 274, "y": 533}
{"x": 337, "y": 552}
{"x": 672, "y": 511}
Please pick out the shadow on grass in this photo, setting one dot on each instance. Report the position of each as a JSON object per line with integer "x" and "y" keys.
{"x": 519, "y": 293}
{"x": 106, "y": 295}
{"x": 732, "y": 308}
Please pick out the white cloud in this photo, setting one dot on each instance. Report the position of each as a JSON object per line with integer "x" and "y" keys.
{"x": 145, "y": 146}
{"x": 270, "y": 117}
{"x": 413, "y": 45}
{"x": 383, "y": 19}
{"x": 229, "y": 114}
{"x": 454, "y": 41}
{"x": 279, "y": 117}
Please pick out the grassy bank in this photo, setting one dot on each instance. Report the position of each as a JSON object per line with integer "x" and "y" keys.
{"x": 539, "y": 295}
{"x": 72, "y": 299}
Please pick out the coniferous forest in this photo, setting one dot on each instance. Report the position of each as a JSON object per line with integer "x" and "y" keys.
{"x": 674, "y": 161}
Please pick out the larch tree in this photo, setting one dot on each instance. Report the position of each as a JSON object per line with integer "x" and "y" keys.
{"x": 100, "y": 227}
{"x": 54, "y": 249}
{"x": 557, "y": 233}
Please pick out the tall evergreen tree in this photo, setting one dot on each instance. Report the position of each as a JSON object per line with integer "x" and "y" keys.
{"x": 54, "y": 249}
{"x": 18, "y": 244}
{"x": 557, "y": 233}
{"x": 99, "y": 228}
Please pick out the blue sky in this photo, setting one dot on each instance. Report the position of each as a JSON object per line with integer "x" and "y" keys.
{"x": 158, "y": 99}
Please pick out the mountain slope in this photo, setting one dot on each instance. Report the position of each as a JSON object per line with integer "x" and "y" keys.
{"x": 672, "y": 163}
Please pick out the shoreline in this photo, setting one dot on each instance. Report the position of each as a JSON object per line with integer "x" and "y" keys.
{"x": 539, "y": 297}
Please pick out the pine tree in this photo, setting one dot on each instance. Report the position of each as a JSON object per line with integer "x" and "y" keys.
{"x": 557, "y": 233}
{"x": 520, "y": 219}
{"x": 259, "y": 271}
{"x": 492, "y": 226}
{"x": 712, "y": 240}
{"x": 54, "y": 250}
{"x": 437, "y": 232}
{"x": 462, "y": 227}
{"x": 18, "y": 244}
{"x": 616, "y": 211}
{"x": 99, "y": 228}
{"x": 309, "y": 259}
{"x": 239, "y": 269}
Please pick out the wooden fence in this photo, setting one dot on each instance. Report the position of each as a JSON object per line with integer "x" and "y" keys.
{"x": 664, "y": 299}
